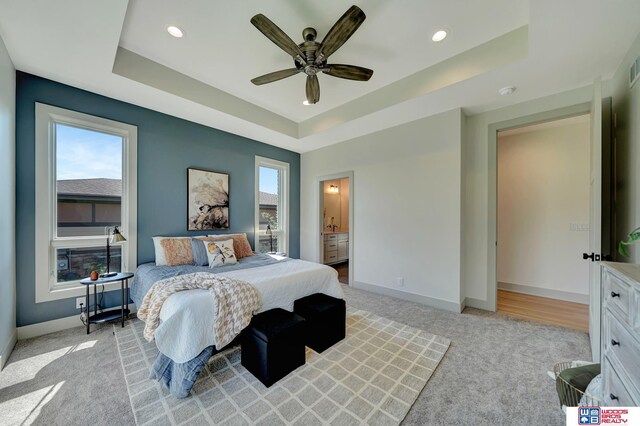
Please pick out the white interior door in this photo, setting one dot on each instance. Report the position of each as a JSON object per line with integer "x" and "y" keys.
{"x": 595, "y": 219}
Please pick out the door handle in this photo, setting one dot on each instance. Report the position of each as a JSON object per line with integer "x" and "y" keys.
{"x": 595, "y": 257}
{"x": 614, "y": 343}
{"x": 614, "y": 294}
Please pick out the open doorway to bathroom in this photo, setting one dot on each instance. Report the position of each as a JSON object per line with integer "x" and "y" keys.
{"x": 335, "y": 236}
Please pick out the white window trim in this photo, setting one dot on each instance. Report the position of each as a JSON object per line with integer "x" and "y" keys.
{"x": 47, "y": 117}
{"x": 284, "y": 202}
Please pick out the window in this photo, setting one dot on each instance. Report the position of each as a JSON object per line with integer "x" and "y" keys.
{"x": 272, "y": 209}
{"x": 85, "y": 185}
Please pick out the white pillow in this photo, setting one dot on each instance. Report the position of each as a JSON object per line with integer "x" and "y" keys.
{"x": 220, "y": 253}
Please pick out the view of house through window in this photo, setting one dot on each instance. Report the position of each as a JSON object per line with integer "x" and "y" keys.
{"x": 268, "y": 215}
{"x": 272, "y": 194}
{"x": 88, "y": 166}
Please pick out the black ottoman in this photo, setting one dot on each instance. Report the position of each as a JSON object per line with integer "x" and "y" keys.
{"x": 273, "y": 345}
{"x": 326, "y": 320}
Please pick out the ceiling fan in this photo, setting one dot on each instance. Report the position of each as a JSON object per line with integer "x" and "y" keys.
{"x": 310, "y": 57}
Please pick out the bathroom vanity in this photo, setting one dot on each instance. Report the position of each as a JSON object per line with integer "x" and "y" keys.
{"x": 336, "y": 247}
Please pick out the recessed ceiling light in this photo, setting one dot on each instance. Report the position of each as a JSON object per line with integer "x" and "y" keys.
{"x": 175, "y": 31}
{"x": 439, "y": 35}
{"x": 507, "y": 90}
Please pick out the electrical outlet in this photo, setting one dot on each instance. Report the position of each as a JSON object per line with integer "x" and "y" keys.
{"x": 400, "y": 282}
{"x": 79, "y": 301}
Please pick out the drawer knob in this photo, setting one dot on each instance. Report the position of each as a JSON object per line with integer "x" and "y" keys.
{"x": 614, "y": 294}
{"x": 613, "y": 343}
{"x": 612, "y": 397}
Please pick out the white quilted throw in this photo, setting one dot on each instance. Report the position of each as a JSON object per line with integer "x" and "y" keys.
{"x": 235, "y": 303}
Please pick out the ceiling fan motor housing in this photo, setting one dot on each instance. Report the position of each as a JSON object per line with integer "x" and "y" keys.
{"x": 310, "y": 56}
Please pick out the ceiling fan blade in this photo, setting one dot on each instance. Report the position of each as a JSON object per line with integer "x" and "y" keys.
{"x": 313, "y": 89}
{"x": 275, "y": 76}
{"x": 340, "y": 32}
{"x": 277, "y": 36}
{"x": 350, "y": 72}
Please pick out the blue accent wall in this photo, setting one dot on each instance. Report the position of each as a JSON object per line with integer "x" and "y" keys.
{"x": 167, "y": 146}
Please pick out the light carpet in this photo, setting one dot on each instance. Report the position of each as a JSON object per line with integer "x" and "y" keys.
{"x": 372, "y": 376}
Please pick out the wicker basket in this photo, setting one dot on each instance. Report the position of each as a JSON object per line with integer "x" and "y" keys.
{"x": 572, "y": 394}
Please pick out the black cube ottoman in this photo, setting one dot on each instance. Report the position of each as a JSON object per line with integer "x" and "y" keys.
{"x": 273, "y": 345}
{"x": 326, "y": 320}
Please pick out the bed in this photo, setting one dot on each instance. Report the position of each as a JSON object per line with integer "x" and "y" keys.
{"x": 185, "y": 337}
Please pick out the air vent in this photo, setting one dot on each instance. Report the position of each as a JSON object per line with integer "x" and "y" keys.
{"x": 634, "y": 72}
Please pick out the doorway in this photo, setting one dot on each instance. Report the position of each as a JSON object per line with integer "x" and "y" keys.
{"x": 543, "y": 199}
{"x": 335, "y": 225}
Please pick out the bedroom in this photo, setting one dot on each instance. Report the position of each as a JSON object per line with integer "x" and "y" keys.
{"x": 420, "y": 136}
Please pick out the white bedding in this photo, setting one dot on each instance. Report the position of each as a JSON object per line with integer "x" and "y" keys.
{"x": 187, "y": 317}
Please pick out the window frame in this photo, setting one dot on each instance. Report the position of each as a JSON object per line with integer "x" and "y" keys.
{"x": 46, "y": 242}
{"x": 283, "y": 203}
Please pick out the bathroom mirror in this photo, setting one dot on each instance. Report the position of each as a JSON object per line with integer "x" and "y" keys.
{"x": 336, "y": 205}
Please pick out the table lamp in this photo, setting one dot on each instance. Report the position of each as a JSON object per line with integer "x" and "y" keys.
{"x": 270, "y": 234}
{"x": 115, "y": 237}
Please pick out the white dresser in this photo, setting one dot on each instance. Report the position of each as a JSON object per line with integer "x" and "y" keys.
{"x": 336, "y": 247}
{"x": 620, "y": 345}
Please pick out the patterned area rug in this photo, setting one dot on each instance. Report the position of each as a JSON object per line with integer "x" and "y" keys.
{"x": 373, "y": 376}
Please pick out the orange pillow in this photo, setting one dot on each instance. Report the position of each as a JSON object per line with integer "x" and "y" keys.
{"x": 177, "y": 251}
{"x": 241, "y": 246}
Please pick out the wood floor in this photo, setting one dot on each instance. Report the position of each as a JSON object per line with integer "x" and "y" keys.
{"x": 343, "y": 272}
{"x": 544, "y": 310}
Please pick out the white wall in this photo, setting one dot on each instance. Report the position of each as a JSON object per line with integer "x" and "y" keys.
{"x": 7, "y": 204}
{"x": 478, "y": 169}
{"x": 406, "y": 214}
{"x": 626, "y": 105}
{"x": 344, "y": 204}
{"x": 543, "y": 188}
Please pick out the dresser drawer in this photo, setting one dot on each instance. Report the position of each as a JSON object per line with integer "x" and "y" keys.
{"x": 621, "y": 346}
{"x": 330, "y": 237}
{"x": 634, "y": 310}
{"x": 331, "y": 256}
{"x": 614, "y": 394}
{"x": 617, "y": 294}
{"x": 331, "y": 245}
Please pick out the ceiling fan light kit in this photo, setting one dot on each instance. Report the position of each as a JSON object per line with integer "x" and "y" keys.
{"x": 310, "y": 57}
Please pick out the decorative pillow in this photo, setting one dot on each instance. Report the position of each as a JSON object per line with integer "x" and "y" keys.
{"x": 220, "y": 253}
{"x": 199, "y": 250}
{"x": 172, "y": 251}
{"x": 241, "y": 245}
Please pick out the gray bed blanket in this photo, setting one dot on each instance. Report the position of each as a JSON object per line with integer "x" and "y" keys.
{"x": 179, "y": 378}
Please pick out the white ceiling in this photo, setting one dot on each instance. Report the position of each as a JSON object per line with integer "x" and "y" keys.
{"x": 568, "y": 44}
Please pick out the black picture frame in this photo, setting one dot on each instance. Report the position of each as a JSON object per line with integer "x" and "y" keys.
{"x": 207, "y": 200}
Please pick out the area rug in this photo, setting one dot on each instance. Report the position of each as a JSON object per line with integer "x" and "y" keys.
{"x": 373, "y": 376}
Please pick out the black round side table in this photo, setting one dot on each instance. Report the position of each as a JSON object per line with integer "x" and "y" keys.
{"x": 96, "y": 318}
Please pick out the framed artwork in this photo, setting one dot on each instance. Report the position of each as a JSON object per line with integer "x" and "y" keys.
{"x": 207, "y": 200}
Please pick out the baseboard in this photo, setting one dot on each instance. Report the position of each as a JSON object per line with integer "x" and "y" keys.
{"x": 475, "y": 303}
{"x": 411, "y": 297}
{"x": 8, "y": 348}
{"x": 545, "y": 292}
{"x": 46, "y": 327}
